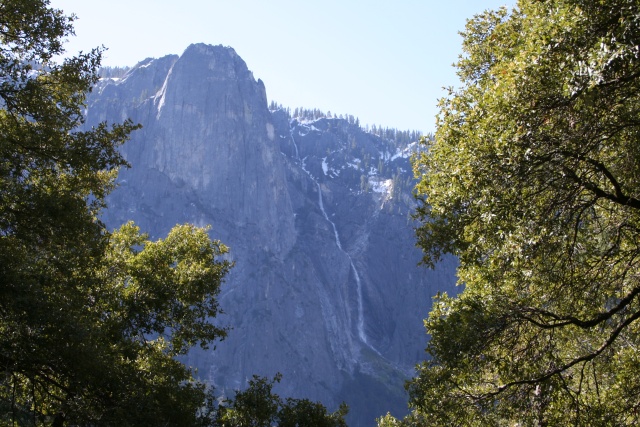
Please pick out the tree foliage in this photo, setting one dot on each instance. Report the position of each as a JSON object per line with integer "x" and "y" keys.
{"x": 533, "y": 182}
{"x": 258, "y": 406}
{"x": 90, "y": 321}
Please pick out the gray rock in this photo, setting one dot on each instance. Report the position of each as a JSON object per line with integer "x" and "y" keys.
{"x": 326, "y": 287}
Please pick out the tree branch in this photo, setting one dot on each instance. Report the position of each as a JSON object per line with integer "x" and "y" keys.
{"x": 618, "y": 197}
{"x": 560, "y": 321}
{"x": 559, "y": 370}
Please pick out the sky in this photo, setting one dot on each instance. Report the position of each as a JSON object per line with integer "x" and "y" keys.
{"x": 385, "y": 62}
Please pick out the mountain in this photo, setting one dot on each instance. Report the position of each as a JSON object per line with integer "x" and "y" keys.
{"x": 326, "y": 289}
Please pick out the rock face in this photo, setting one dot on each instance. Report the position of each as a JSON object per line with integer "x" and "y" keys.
{"x": 326, "y": 287}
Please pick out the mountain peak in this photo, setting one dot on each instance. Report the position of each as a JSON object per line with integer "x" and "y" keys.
{"x": 325, "y": 288}
{"x": 222, "y": 61}
{"x": 208, "y": 49}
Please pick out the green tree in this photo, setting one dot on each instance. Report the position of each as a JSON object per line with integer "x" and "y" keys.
{"x": 258, "y": 406}
{"x": 533, "y": 182}
{"x": 90, "y": 321}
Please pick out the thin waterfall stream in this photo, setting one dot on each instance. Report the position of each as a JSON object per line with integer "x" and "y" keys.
{"x": 360, "y": 324}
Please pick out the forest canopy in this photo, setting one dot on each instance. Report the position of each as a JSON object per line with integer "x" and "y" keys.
{"x": 90, "y": 320}
{"x": 533, "y": 182}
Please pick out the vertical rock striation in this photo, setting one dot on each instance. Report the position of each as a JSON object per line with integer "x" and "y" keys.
{"x": 326, "y": 289}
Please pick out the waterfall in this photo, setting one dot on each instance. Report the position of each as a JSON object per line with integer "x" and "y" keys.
{"x": 360, "y": 325}
{"x": 361, "y": 333}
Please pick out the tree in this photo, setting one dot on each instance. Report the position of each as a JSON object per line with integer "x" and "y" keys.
{"x": 258, "y": 406}
{"x": 90, "y": 321}
{"x": 533, "y": 182}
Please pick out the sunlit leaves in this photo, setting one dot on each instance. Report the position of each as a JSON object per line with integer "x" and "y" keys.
{"x": 89, "y": 320}
{"x": 167, "y": 287}
{"x": 532, "y": 182}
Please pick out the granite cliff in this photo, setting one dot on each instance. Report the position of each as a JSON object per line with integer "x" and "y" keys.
{"x": 326, "y": 287}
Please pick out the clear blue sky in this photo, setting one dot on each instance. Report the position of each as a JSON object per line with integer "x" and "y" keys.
{"x": 382, "y": 61}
